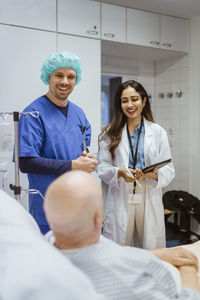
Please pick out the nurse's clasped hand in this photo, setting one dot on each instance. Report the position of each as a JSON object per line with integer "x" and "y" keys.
{"x": 86, "y": 162}
{"x": 131, "y": 175}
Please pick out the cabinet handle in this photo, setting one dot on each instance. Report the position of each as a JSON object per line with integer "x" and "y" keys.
{"x": 109, "y": 35}
{"x": 92, "y": 32}
{"x": 167, "y": 45}
{"x": 155, "y": 43}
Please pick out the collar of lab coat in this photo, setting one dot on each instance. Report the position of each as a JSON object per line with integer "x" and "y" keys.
{"x": 148, "y": 135}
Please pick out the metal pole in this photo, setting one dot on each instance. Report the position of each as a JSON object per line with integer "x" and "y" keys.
{"x": 17, "y": 189}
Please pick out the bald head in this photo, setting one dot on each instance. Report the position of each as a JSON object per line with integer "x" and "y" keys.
{"x": 72, "y": 202}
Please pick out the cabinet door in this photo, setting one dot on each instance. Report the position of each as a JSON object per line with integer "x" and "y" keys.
{"x": 113, "y": 23}
{"x": 20, "y": 71}
{"x": 142, "y": 28}
{"x": 29, "y": 13}
{"x": 174, "y": 33}
{"x": 79, "y": 17}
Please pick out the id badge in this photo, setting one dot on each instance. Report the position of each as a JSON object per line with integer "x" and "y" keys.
{"x": 135, "y": 198}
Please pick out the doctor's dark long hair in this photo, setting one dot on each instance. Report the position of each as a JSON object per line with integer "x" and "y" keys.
{"x": 113, "y": 131}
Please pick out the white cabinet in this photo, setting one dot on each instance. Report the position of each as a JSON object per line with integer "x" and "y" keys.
{"x": 142, "y": 28}
{"x": 174, "y": 33}
{"x": 21, "y": 58}
{"x": 79, "y": 17}
{"x": 113, "y": 23}
{"x": 149, "y": 29}
{"x": 29, "y": 13}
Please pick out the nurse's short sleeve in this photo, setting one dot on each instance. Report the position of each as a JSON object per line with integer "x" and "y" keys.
{"x": 31, "y": 136}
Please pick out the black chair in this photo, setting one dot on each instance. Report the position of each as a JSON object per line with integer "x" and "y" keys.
{"x": 183, "y": 206}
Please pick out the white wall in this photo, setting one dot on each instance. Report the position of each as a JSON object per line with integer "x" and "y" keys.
{"x": 172, "y": 113}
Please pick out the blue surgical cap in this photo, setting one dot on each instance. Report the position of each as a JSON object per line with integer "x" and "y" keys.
{"x": 61, "y": 60}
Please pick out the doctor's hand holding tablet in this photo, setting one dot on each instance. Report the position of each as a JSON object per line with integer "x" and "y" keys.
{"x": 131, "y": 175}
{"x": 150, "y": 172}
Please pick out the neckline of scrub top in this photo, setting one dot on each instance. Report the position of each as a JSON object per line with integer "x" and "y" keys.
{"x": 63, "y": 109}
{"x": 69, "y": 121}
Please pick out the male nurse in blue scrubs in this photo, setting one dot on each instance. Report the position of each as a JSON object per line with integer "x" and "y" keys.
{"x": 53, "y": 143}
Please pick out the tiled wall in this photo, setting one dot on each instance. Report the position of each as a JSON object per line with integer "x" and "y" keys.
{"x": 172, "y": 113}
{"x": 166, "y": 76}
{"x": 130, "y": 68}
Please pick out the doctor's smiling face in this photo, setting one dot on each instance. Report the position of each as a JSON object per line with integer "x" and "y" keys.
{"x": 132, "y": 103}
{"x": 61, "y": 84}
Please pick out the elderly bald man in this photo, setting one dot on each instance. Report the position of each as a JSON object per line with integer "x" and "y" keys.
{"x": 54, "y": 142}
{"x": 74, "y": 210}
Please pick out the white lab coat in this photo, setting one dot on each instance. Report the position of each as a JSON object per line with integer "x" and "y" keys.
{"x": 115, "y": 191}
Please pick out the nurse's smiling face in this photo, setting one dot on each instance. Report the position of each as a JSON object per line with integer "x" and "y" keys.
{"x": 61, "y": 84}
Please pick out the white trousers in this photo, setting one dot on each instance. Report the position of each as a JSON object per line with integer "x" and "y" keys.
{"x": 136, "y": 208}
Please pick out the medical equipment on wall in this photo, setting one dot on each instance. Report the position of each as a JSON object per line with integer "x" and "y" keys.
{"x": 6, "y": 147}
{"x": 170, "y": 94}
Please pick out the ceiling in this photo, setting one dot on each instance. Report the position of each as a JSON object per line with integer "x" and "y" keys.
{"x": 178, "y": 8}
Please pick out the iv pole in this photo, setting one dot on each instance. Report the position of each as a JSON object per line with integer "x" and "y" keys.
{"x": 16, "y": 188}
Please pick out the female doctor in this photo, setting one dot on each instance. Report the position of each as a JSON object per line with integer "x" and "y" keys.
{"x": 133, "y": 208}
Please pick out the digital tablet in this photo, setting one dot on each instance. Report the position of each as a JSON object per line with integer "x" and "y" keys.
{"x": 157, "y": 165}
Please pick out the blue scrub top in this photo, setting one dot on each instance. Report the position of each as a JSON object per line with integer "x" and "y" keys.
{"x": 54, "y": 136}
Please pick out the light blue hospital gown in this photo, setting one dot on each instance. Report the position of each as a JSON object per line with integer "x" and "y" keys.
{"x": 126, "y": 273}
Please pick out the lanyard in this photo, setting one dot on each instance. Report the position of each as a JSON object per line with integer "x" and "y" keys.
{"x": 134, "y": 157}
